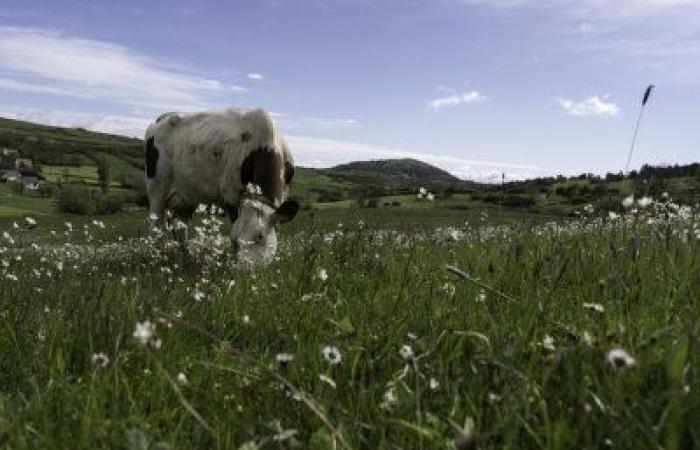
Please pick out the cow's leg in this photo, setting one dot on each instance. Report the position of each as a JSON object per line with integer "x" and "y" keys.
{"x": 157, "y": 203}
{"x": 156, "y": 216}
{"x": 182, "y": 215}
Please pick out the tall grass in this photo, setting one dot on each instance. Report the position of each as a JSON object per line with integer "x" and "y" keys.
{"x": 505, "y": 340}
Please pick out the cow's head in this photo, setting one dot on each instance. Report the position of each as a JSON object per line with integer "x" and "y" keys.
{"x": 254, "y": 233}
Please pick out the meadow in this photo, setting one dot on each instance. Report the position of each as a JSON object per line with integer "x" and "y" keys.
{"x": 387, "y": 328}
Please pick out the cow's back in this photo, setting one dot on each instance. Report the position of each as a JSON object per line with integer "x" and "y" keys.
{"x": 202, "y": 155}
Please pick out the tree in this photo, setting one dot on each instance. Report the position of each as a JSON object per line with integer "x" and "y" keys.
{"x": 103, "y": 173}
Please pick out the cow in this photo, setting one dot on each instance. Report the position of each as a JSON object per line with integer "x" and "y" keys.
{"x": 235, "y": 159}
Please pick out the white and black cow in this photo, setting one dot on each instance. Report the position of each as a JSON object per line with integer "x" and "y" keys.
{"x": 234, "y": 159}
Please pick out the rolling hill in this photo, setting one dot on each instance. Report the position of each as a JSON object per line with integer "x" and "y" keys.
{"x": 396, "y": 171}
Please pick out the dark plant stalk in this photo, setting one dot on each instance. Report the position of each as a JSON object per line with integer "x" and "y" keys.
{"x": 645, "y": 99}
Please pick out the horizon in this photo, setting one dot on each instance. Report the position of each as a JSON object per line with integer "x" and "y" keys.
{"x": 475, "y": 87}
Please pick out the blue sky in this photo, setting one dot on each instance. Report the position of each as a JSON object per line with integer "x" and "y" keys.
{"x": 526, "y": 87}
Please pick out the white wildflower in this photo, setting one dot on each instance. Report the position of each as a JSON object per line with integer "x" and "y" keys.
{"x": 181, "y": 379}
{"x": 597, "y": 307}
{"x": 156, "y": 343}
{"x": 100, "y": 359}
{"x": 627, "y": 202}
{"x": 619, "y": 359}
{"x": 406, "y": 353}
{"x": 323, "y": 274}
{"x": 284, "y": 435}
{"x": 30, "y": 221}
{"x": 284, "y": 358}
{"x": 449, "y": 289}
{"x": 198, "y": 295}
{"x": 548, "y": 343}
{"x": 144, "y": 332}
{"x": 644, "y": 202}
{"x": 332, "y": 354}
{"x": 434, "y": 384}
{"x": 389, "y": 401}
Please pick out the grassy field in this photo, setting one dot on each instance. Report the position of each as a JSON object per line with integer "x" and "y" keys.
{"x": 377, "y": 328}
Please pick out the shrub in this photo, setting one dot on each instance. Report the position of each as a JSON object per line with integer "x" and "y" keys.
{"x": 518, "y": 201}
{"x": 45, "y": 190}
{"x": 75, "y": 198}
{"x": 108, "y": 204}
{"x": 511, "y": 200}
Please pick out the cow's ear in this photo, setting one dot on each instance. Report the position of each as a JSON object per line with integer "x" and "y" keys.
{"x": 286, "y": 212}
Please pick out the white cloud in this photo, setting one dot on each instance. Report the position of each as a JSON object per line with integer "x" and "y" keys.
{"x": 312, "y": 123}
{"x": 114, "y": 124}
{"x": 585, "y": 27}
{"x": 255, "y": 76}
{"x": 591, "y": 106}
{"x": 316, "y": 152}
{"x": 450, "y": 101}
{"x": 40, "y": 61}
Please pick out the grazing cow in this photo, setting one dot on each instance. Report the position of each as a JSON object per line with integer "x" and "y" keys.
{"x": 234, "y": 159}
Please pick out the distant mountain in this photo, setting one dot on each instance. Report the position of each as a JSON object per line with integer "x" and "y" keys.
{"x": 402, "y": 171}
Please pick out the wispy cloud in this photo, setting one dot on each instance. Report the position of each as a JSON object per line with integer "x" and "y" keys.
{"x": 114, "y": 124}
{"x": 256, "y": 76}
{"x": 592, "y": 106}
{"x": 314, "y": 123}
{"x": 40, "y": 61}
{"x": 453, "y": 100}
{"x": 597, "y": 7}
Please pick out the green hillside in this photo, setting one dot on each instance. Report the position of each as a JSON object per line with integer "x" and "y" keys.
{"x": 69, "y": 146}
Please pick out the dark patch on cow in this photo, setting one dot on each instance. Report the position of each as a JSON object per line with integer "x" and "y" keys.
{"x": 151, "y": 157}
{"x": 217, "y": 153}
{"x": 173, "y": 118}
{"x": 163, "y": 116}
{"x": 263, "y": 168}
{"x": 246, "y": 136}
{"x": 288, "y": 172}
